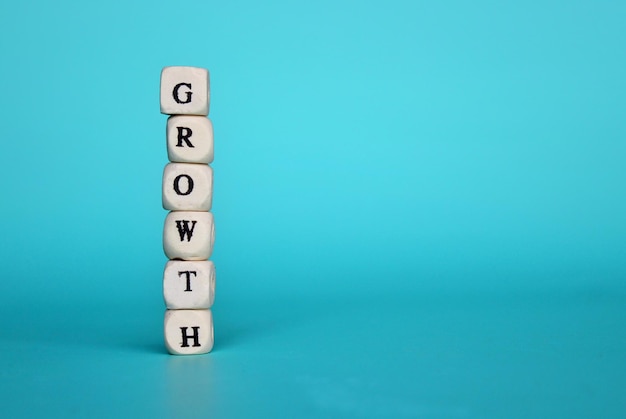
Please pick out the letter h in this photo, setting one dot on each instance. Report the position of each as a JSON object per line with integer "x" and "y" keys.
{"x": 186, "y": 337}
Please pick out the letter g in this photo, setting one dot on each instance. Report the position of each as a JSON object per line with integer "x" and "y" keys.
{"x": 188, "y": 93}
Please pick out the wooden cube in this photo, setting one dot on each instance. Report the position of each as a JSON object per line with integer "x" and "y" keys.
{"x": 188, "y": 235}
{"x": 187, "y": 187}
{"x": 188, "y": 332}
{"x": 189, "y": 284}
{"x": 189, "y": 139}
{"x": 185, "y": 91}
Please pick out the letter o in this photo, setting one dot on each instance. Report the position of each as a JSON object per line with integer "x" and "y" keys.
{"x": 177, "y": 185}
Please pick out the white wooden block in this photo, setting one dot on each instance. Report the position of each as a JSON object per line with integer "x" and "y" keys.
{"x": 188, "y": 332}
{"x": 189, "y": 284}
{"x": 188, "y": 235}
{"x": 187, "y": 187}
{"x": 189, "y": 139}
{"x": 185, "y": 91}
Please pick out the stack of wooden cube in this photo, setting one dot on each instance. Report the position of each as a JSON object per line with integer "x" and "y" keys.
{"x": 188, "y": 234}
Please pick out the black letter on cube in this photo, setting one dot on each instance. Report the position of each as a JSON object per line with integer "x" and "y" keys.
{"x": 175, "y": 93}
{"x": 188, "y": 278}
{"x": 184, "y": 136}
{"x": 186, "y": 337}
{"x": 183, "y": 229}
{"x": 177, "y": 185}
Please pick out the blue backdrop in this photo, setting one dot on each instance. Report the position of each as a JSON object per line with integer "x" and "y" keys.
{"x": 419, "y": 207}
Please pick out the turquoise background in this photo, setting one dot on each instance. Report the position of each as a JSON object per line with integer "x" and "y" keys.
{"x": 419, "y": 206}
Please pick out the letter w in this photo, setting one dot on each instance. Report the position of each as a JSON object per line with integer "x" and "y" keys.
{"x": 184, "y": 230}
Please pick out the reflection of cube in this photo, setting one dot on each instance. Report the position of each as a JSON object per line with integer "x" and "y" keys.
{"x": 188, "y": 332}
{"x": 189, "y": 284}
{"x": 188, "y": 235}
{"x": 185, "y": 91}
{"x": 187, "y": 187}
{"x": 189, "y": 139}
